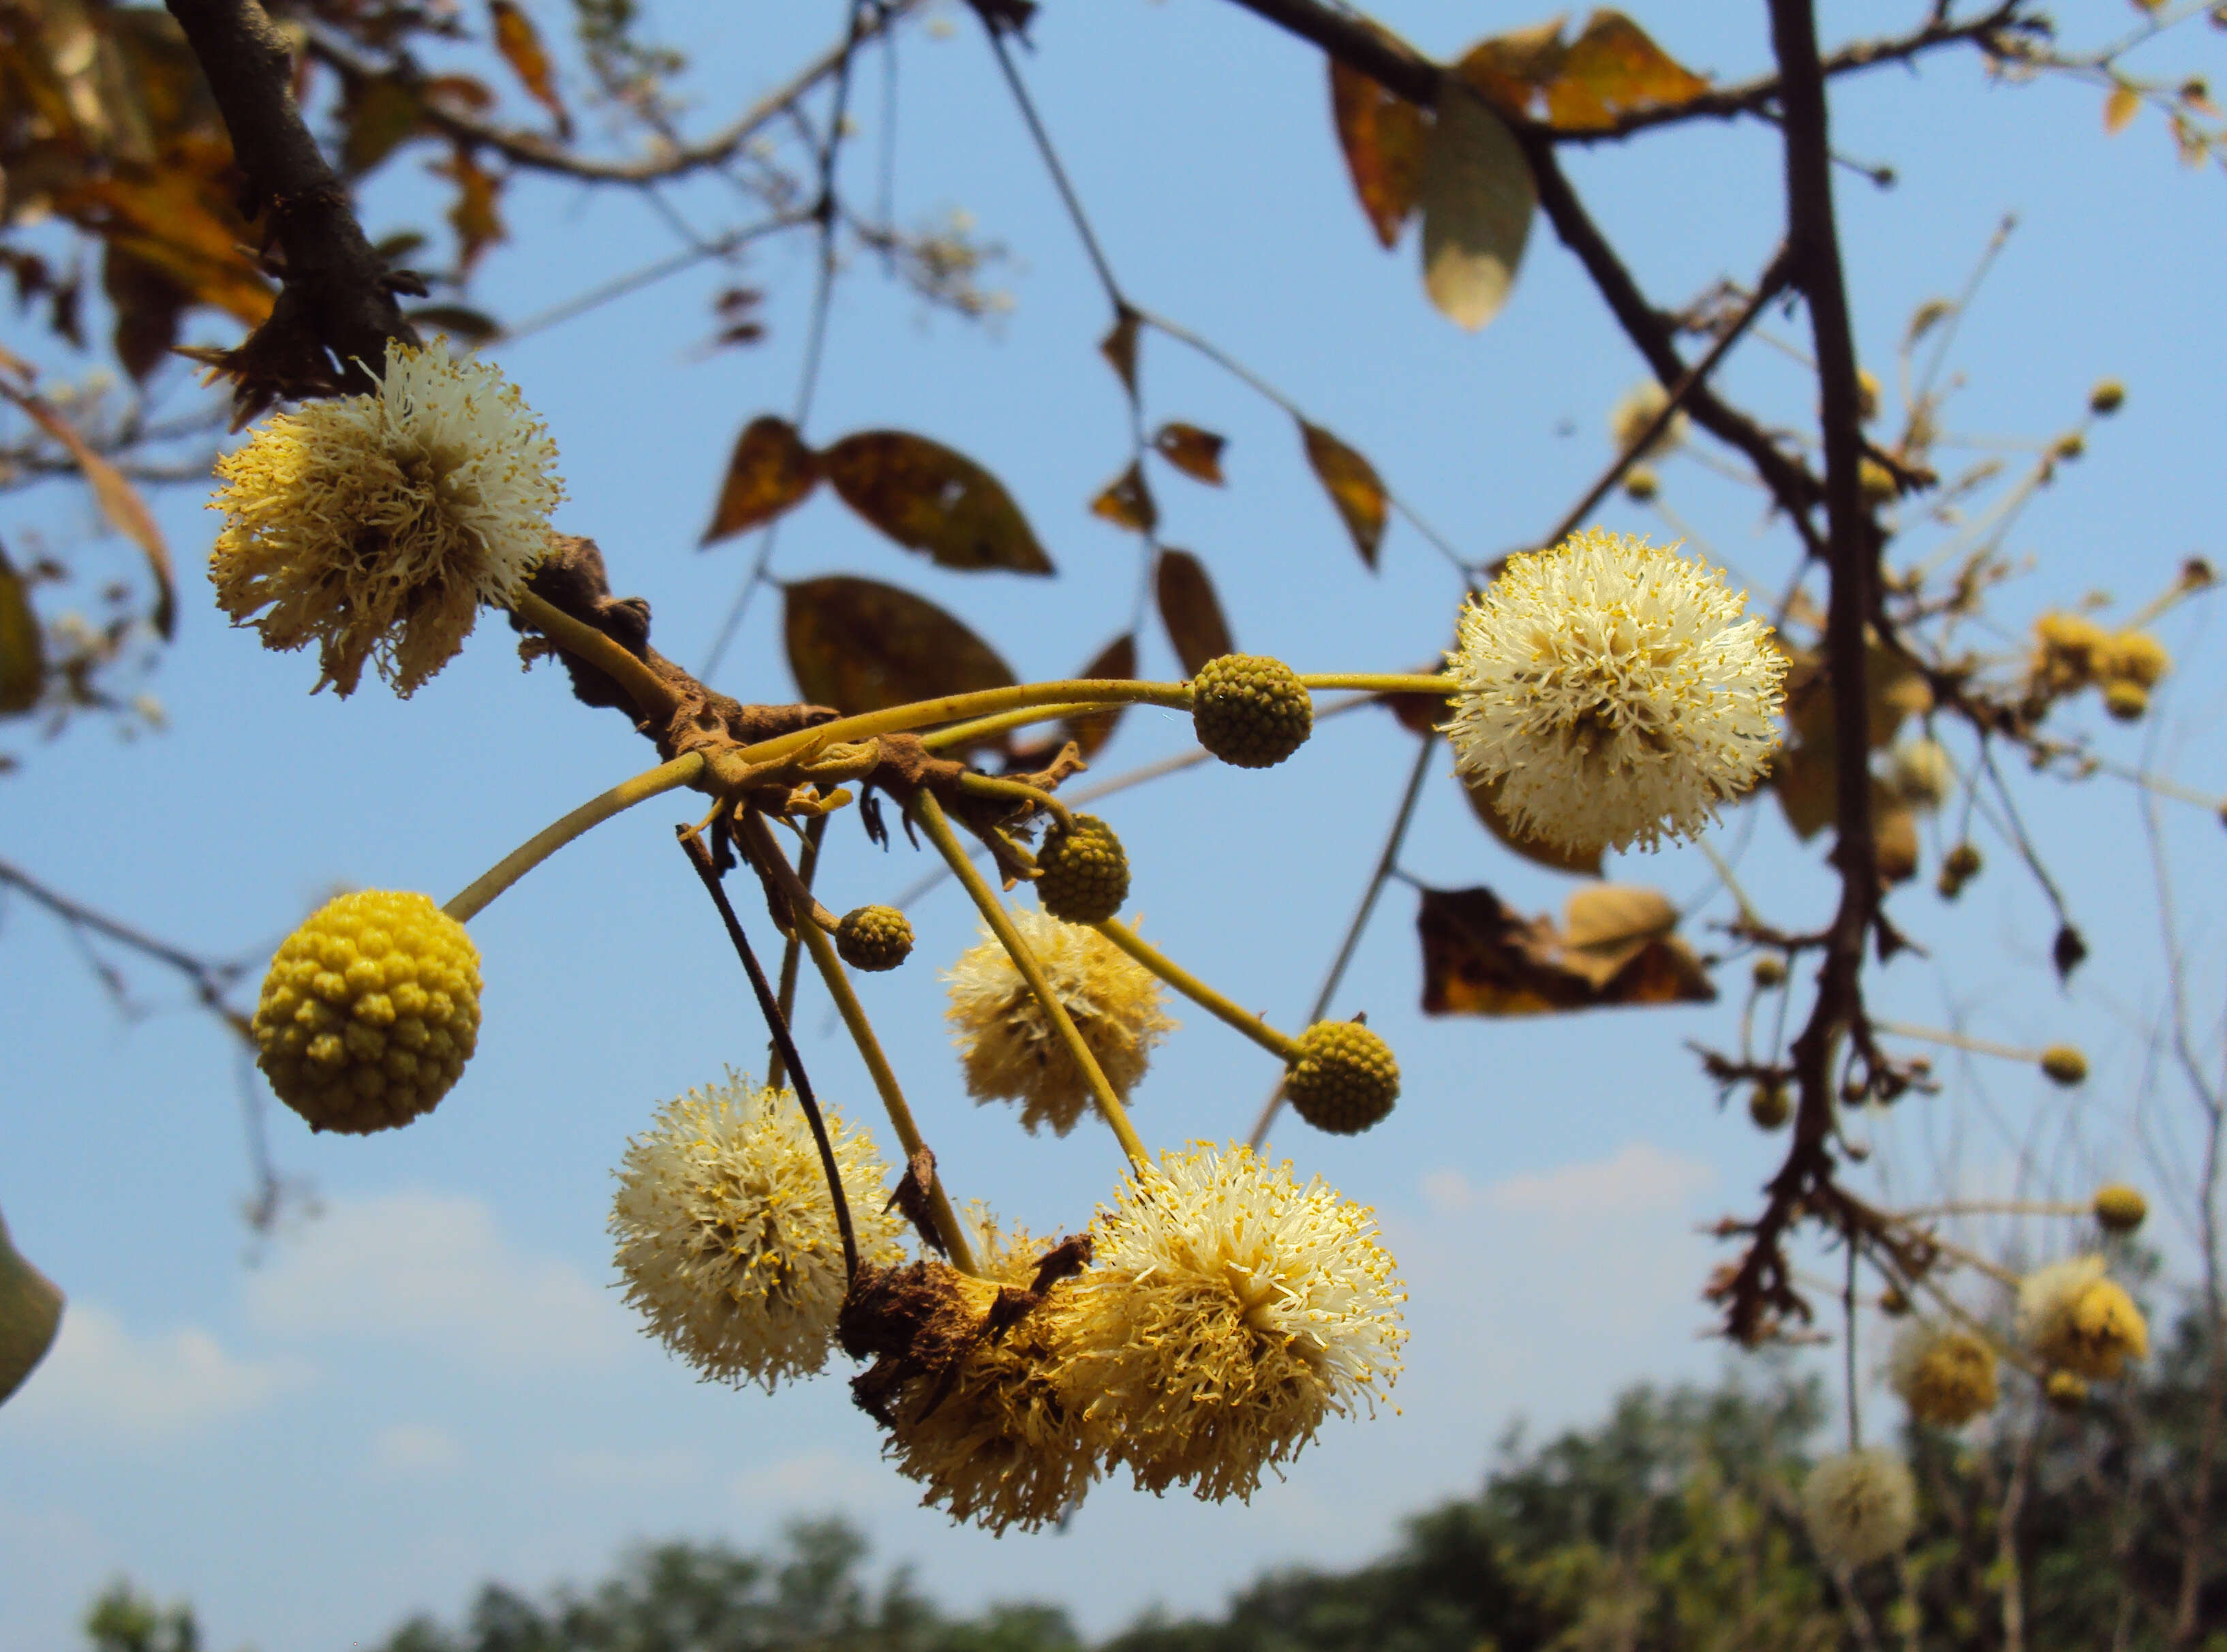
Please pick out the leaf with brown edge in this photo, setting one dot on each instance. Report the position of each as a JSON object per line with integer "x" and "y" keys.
{"x": 1613, "y": 69}
{"x": 1484, "y": 803}
{"x": 118, "y": 499}
{"x": 1382, "y": 137}
{"x": 22, "y": 645}
{"x": 1119, "y": 347}
{"x": 1190, "y": 610}
{"x": 928, "y": 498}
{"x": 1127, "y": 502}
{"x": 1353, "y": 486}
{"x": 475, "y": 213}
{"x": 1478, "y": 198}
{"x": 1515, "y": 69}
{"x": 770, "y": 471}
{"x": 1616, "y": 947}
{"x": 861, "y": 646}
{"x": 520, "y": 45}
{"x": 1195, "y": 452}
{"x": 1115, "y": 661}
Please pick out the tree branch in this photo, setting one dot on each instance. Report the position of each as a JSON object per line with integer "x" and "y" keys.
{"x": 331, "y": 272}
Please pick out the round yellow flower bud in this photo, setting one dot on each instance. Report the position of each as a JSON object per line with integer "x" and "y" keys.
{"x": 2075, "y": 1319}
{"x": 1767, "y": 1104}
{"x": 2126, "y": 701}
{"x": 2108, "y": 397}
{"x": 369, "y": 1011}
{"x": 1944, "y": 1374}
{"x": 2064, "y": 1065}
{"x": 2064, "y": 1391}
{"x": 1769, "y": 972}
{"x": 2136, "y": 657}
{"x": 2120, "y": 1209}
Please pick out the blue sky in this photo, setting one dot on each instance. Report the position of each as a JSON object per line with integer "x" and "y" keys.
{"x": 432, "y": 1382}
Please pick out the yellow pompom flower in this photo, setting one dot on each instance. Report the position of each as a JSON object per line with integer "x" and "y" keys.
{"x": 1944, "y": 1374}
{"x": 1227, "y": 1312}
{"x": 1859, "y": 1506}
{"x": 1007, "y": 1043}
{"x": 1639, "y": 407}
{"x": 376, "y": 525}
{"x": 1003, "y": 1441}
{"x": 369, "y": 1011}
{"x": 2077, "y": 1320}
{"x": 2069, "y": 651}
{"x": 1613, "y": 689}
{"x": 727, "y": 1238}
{"x": 2135, "y": 657}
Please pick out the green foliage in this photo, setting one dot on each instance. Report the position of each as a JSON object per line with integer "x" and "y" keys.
{"x": 1673, "y": 1524}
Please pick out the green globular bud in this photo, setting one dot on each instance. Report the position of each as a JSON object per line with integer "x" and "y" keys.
{"x": 1769, "y": 1105}
{"x": 1082, "y": 873}
{"x": 1250, "y": 710}
{"x": 1343, "y": 1079}
{"x": 874, "y": 938}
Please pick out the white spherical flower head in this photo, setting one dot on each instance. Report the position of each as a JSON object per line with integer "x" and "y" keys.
{"x": 1613, "y": 690}
{"x": 1229, "y": 1311}
{"x": 377, "y": 525}
{"x": 1859, "y": 1506}
{"x": 727, "y": 1237}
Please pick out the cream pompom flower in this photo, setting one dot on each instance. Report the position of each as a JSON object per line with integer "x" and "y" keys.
{"x": 1007, "y": 1043}
{"x": 376, "y": 525}
{"x": 1859, "y": 1506}
{"x": 1944, "y": 1373}
{"x": 727, "y": 1237}
{"x": 1229, "y": 1311}
{"x": 1614, "y": 691}
{"x": 1003, "y": 1442}
{"x": 2079, "y": 1320}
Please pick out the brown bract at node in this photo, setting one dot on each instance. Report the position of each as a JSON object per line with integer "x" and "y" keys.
{"x": 915, "y": 1189}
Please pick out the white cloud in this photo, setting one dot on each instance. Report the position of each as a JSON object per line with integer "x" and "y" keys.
{"x": 102, "y": 1382}
{"x": 1641, "y": 1180}
{"x": 433, "y": 1271}
{"x": 413, "y": 1449}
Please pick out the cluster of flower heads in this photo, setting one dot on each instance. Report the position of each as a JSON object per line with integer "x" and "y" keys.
{"x": 1226, "y": 1311}
{"x": 376, "y": 525}
{"x": 2072, "y": 652}
{"x": 1614, "y": 691}
{"x": 1007, "y": 1045}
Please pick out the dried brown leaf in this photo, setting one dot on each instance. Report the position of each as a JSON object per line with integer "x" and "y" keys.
{"x": 928, "y": 498}
{"x": 1116, "y": 660}
{"x": 520, "y": 45}
{"x": 1190, "y": 610}
{"x": 1127, "y": 502}
{"x": 861, "y": 646}
{"x": 22, "y": 645}
{"x": 1119, "y": 347}
{"x": 2120, "y": 107}
{"x": 1613, "y": 69}
{"x": 1196, "y": 452}
{"x": 1383, "y": 135}
{"x": 1353, "y": 486}
{"x": 770, "y": 471}
{"x": 1616, "y": 948}
{"x": 1513, "y": 69}
{"x": 118, "y": 499}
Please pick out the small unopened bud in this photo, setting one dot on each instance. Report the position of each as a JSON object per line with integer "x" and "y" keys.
{"x": 2065, "y": 1391}
{"x": 1769, "y": 972}
{"x": 1868, "y": 393}
{"x": 2125, "y": 700}
{"x": 1642, "y": 484}
{"x": 2071, "y": 445}
{"x": 2064, "y": 1065}
{"x": 2120, "y": 1209}
{"x": 1767, "y": 1104}
{"x": 1876, "y": 482}
{"x": 1894, "y": 1302}
{"x": 2108, "y": 397}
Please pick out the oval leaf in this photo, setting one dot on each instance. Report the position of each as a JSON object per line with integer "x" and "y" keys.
{"x": 1478, "y": 196}
{"x": 1354, "y": 488}
{"x": 861, "y": 646}
{"x": 1127, "y": 502}
{"x": 1119, "y": 347}
{"x": 1190, "y": 610}
{"x": 1116, "y": 660}
{"x": 771, "y": 471}
{"x": 1195, "y": 452}
{"x": 22, "y": 645}
{"x": 1382, "y": 135}
{"x": 521, "y": 46}
{"x": 31, "y": 1313}
{"x": 928, "y": 498}
{"x": 1615, "y": 69}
